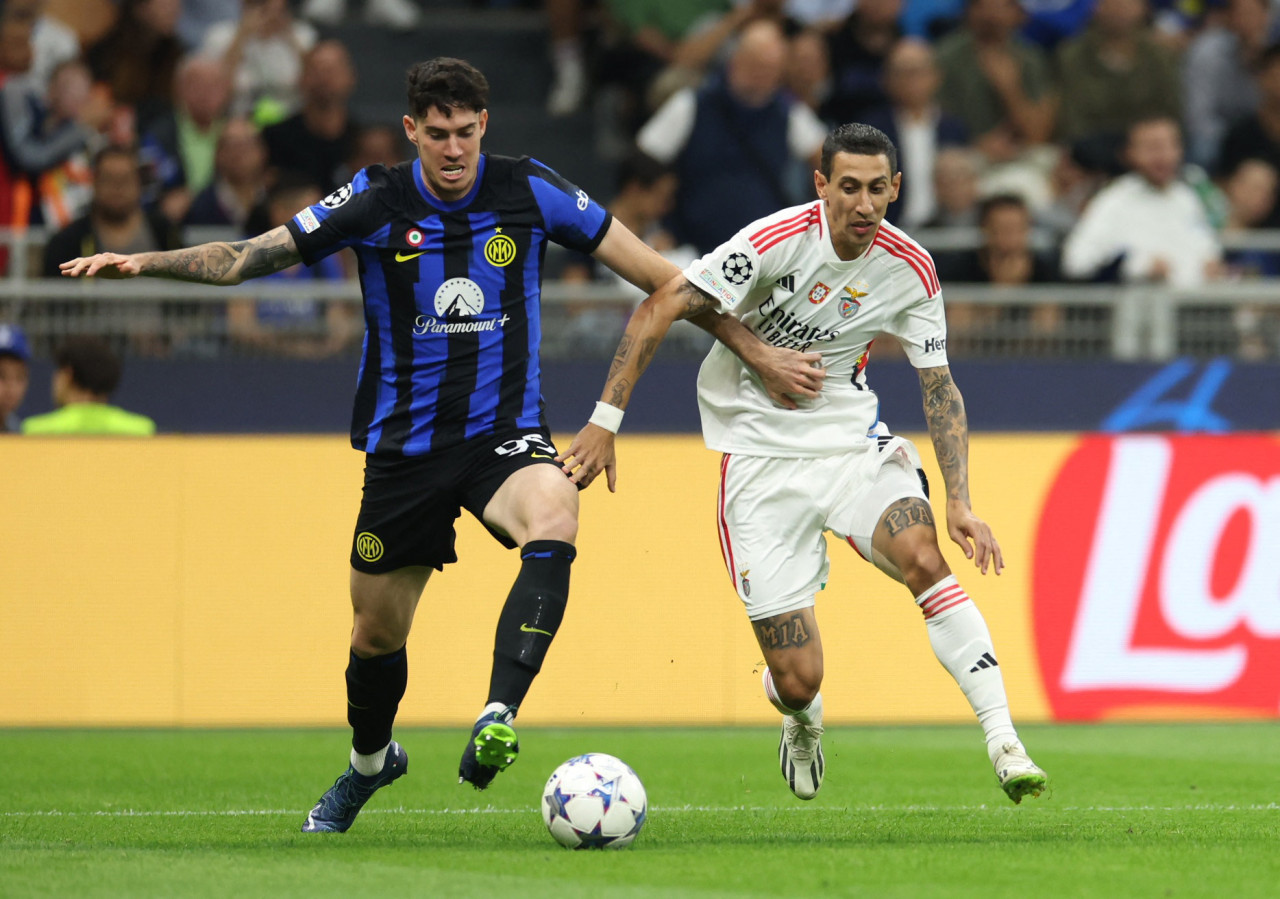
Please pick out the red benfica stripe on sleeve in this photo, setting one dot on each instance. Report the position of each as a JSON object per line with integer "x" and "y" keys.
{"x": 912, "y": 255}
{"x": 726, "y": 545}
{"x": 775, "y": 234}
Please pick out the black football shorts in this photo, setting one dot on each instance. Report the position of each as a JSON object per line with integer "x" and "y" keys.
{"x": 411, "y": 502}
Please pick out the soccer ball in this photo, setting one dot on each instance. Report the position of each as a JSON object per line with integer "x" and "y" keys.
{"x": 594, "y": 801}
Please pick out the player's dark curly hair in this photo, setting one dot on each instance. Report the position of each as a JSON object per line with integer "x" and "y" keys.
{"x": 860, "y": 140}
{"x": 447, "y": 84}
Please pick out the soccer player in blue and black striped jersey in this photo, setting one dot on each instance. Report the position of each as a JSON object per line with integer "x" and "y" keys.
{"x": 448, "y": 404}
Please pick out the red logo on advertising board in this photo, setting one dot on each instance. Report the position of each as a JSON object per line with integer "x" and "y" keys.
{"x": 1156, "y": 589}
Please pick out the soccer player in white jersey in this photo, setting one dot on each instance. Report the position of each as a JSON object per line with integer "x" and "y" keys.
{"x": 826, "y": 278}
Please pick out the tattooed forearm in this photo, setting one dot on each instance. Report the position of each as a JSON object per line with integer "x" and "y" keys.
{"x": 620, "y": 393}
{"x": 907, "y": 513}
{"x": 225, "y": 262}
{"x": 948, "y": 428}
{"x": 788, "y": 630}
{"x": 695, "y": 301}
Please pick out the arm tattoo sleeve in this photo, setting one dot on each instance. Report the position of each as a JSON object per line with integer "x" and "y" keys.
{"x": 695, "y": 301}
{"x": 226, "y": 262}
{"x": 948, "y": 428}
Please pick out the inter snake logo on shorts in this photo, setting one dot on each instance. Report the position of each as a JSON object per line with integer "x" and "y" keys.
{"x": 737, "y": 268}
{"x": 368, "y": 546}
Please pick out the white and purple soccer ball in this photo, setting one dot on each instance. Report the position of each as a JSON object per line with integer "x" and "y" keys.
{"x": 594, "y": 801}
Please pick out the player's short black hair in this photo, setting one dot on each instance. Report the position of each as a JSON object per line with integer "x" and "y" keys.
{"x": 93, "y": 364}
{"x": 447, "y": 84}
{"x": 640, "y": 168}
{"x": 860, "y": 140}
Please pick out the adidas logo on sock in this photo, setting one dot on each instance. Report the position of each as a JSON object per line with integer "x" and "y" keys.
{"x": 987, "y": 661}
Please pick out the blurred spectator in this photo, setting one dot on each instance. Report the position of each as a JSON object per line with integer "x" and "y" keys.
{"x": 1004, "y": 258}
{"x": 1050, "y": 22}
{"x": 263, "y": 51}
{"x": 1148, "y": 225}
{"x": 87, "y": 374}
{"x": 645, "y": 194}
{"x": 116, "y": 221}
{"x": 178, "y": 146}
{"x": 1217, "y": 77}
{"x": 1074, "y": 180}
{"x": 1115, "y": 73}
{"x": 1251, "y": 196}
{"x": 53, "y": 42}
{"x": 955, "y": 189}
{"x": 15, "y": 58}
{"x": 198, "y": 16}
{"x": 996, "y": 82}
{"x": 299, "y": 327}
{"x": 239, "y": 182}
{"x": 858, "y": 50}
{"x": 15, "y": 375}
{"x": 809, "y": 68}
{"x": 317, "y": 141}
{"x": 930, "y": 19}
{"x": 1005, "y": 255}
{"x": 400, "y": 15}
{"x": 917, "y": 126}
{"x": 568, "y": 64}
{"x": 1258, "y": 136}
{"x": 137, "y": 58}
{"x": 48, "y": 138}
{"x": 658, "y": 48}
{"x": 735, "y": 142}
{"x": 375, "y": 144}
{"x": 821, "y": 15}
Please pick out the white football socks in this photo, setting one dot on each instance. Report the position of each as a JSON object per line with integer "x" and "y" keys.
{"x": 810, "y": 714}
{"x": 370, "y": 764}
{"x": 960, "y": 639}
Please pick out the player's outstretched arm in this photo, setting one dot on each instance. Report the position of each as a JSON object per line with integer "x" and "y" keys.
{"x": 221, "y": 262}
{"x": 592, "y": 450}
{"x": 949, "y": 431}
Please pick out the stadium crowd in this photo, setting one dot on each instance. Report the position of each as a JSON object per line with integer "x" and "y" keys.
{"x": 1095, "y": 141}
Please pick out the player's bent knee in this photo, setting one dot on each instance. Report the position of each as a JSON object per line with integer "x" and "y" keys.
{"x": 798, "y": 686}
{"x": 924, "y": 570}
{"x": 371, "y": 638}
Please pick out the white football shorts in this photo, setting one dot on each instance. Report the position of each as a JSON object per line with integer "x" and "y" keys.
{"x": 773, "y": 513}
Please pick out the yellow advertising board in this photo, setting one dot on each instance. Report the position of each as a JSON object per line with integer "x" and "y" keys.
{"x": 203, "y": 581}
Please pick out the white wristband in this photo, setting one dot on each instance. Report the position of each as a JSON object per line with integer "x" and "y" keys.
{"x": 607, "y": 417}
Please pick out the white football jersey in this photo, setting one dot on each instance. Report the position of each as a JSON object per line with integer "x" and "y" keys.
{"x": 781, "y": 277}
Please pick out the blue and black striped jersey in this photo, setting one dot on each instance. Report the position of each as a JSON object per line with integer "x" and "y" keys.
{"x": 452, "y": 295}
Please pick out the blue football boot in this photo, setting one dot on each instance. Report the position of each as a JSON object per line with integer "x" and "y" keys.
{"x": 337, "y": 809}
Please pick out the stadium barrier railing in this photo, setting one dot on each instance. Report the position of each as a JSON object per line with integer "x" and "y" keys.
{"x": 1156, "y": 322}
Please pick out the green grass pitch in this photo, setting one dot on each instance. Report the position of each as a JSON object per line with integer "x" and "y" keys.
{"x": 1135, "y": 810}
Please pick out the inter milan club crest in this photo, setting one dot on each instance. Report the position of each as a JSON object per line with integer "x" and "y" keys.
{"x": 737, "y": 268}
{"x": 819, "y": 293}
{"x": 850, "y": 302}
